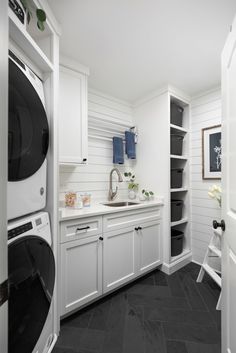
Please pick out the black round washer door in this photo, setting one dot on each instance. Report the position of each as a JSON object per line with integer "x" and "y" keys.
{"x": 28, "y": 131}
{"x": 31, "y": 272}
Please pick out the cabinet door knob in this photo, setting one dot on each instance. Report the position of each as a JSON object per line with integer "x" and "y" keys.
{"x": 83, "y": 228}
{"x": 100, "y": 238}
{"x": 140, "y": 228}
{"x": 220, "y": 224}
{"x": 136, "y": 228}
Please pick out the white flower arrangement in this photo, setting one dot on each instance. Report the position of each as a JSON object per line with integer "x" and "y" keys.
{"x": 215, "y": 193}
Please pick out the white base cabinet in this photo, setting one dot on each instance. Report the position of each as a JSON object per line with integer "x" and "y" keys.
{"x": 149, "y": 246}
{"x": 120, "y": 260}
{"x": 81, "y": 272}
{"x": 97, "y": 259}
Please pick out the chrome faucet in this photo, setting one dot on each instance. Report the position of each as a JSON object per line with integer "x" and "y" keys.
{"x": 112, "y": 194}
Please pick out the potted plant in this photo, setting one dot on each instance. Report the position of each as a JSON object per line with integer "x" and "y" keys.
{"x": 40, "y": 14}
{"x": 132, "y": 186}
{"x": 146, "y": 195}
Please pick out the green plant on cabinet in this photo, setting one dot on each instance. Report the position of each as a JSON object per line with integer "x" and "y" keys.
{"x": 40, "y": 14}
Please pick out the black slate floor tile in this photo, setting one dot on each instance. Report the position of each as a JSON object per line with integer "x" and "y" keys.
{"x": 100, "y": 316}
{"x": 159, "y": 302}
{"x": 114, "y": 335}
{"x": 150, "y": 291}
{"x": 175, "y": 285}
{"x": 93, "y": 340}
{"x": 147, "y": 280}
{"x": 189, "y": 286}
{"x": 133, "y": 331}
{"x": 78, "y": 320}
{"x": 154, "y": 314}
{"x": 192, "y": 333}
{"x": 63, "y": 350}
{"x": 179, "y": 316}
{"x": 154, "y": 337}
{"x": 176, "y": 347}
{"x": 71, "y": 337}
{"x": 160, "y": 278}
{"x": 202, "y": 348}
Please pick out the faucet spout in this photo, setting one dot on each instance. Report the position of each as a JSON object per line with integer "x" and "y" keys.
{"x": 112, "y": 194}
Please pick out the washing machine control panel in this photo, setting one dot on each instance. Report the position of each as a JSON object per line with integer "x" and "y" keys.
{"x": 19, "y": 230}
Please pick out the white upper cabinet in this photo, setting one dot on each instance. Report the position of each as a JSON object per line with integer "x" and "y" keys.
{"x": 73, "y": 116}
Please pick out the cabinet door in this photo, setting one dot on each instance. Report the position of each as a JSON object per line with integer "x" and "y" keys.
{"x": 81, "y": 272}
{"x": 73, "y": 116}
{"x": 149, "y": 246}
{"x": 119, "y": 258}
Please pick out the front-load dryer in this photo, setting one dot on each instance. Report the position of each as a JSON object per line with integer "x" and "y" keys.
{"x": 28, "y": 138}
{"x": 31, "y": 274}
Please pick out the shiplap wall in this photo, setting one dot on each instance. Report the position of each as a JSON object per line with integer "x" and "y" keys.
{"x": 206, "y": 112}
{"x": 94, "y": 177}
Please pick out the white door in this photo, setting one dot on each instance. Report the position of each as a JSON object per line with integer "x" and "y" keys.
{"x": 119, "y": 258}
{"x": 229, "y": 194}
{"x": 81, "y": 272}
{"x": 149, "y": 247}
{"x": 3, "y": 166}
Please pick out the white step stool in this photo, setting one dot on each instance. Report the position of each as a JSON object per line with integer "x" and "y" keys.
{"x": 213, "y": 250}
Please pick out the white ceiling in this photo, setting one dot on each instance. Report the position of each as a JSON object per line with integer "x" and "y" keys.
{"x": 135, "y": 46}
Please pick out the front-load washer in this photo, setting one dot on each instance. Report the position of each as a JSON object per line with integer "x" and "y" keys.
{"x": 31, "y": 274}
{"x": 28, "y": 139}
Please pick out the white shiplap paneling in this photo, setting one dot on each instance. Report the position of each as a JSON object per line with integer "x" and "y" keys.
{"x": 94, "y": 177}
{"x": 206, "y": 112}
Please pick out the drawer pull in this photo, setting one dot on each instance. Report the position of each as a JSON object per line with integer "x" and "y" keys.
{"x": 83, "y": 228}
{"x": 100, "y": 238}
{"x": 136, "y": 228}
{"x": 140, "y": 228}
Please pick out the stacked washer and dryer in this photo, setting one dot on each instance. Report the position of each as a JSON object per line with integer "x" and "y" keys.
{"x": 31, "y": 264}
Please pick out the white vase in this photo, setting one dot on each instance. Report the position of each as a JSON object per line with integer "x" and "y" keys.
{"x": 132, "y": 194}
{"x": 142, "y": 197}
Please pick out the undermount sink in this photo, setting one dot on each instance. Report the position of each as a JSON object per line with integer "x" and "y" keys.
{"x": 120, "y": 204}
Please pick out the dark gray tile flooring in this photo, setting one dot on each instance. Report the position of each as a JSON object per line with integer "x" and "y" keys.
{"x": 155, "y": 314}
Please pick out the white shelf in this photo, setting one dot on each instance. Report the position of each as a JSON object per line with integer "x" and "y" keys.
{"x": 18, "y": 34}
{"x": 178, "y": 128}
{"x": 174, "y": 156}
{"x": 179, "y": 190}
{"x": 183, "y": 254}
{"x": 182, "y": 221}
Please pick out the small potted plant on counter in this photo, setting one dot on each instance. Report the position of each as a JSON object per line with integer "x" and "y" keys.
{"x": 147, "y": 195}
{"x": 132, "y": 186}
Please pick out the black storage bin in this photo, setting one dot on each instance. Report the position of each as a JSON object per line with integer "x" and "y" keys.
{"x": 176, "y": 178}
{"x": 176, "y": 144}
{"x": 176, "y": 114}
{"x": 177, "y": 240}
{"x": 176, "y": 210}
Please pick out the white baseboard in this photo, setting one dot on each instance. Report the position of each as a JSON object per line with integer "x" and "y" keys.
{"x": 196, "y": 262}
{"x": 175, "y": 266}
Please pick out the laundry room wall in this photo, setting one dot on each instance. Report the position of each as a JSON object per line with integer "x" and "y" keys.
{"x": 112, "y": 118}
{"x": 205, "y": 112}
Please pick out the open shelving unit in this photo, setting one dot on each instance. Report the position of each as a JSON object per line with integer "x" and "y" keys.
{"x": 181, "y": 161}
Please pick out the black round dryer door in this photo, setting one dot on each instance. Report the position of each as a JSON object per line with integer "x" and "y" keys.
{"x": 28, "y": 131}
{"x": 31, "y": 272}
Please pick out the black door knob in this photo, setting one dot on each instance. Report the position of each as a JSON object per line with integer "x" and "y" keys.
{"x": 220, "y": 224}
{"x": 100, "y": 238}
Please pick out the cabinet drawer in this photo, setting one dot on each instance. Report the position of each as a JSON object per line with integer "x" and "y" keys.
{"x": 128, "y": 218}
{"x": 80, "y": 228}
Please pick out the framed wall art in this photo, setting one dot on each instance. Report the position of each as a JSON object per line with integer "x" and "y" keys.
{"x": 211, "y": 152}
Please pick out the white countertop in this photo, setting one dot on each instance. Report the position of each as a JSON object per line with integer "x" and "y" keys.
{"x": 97, "y": 208}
